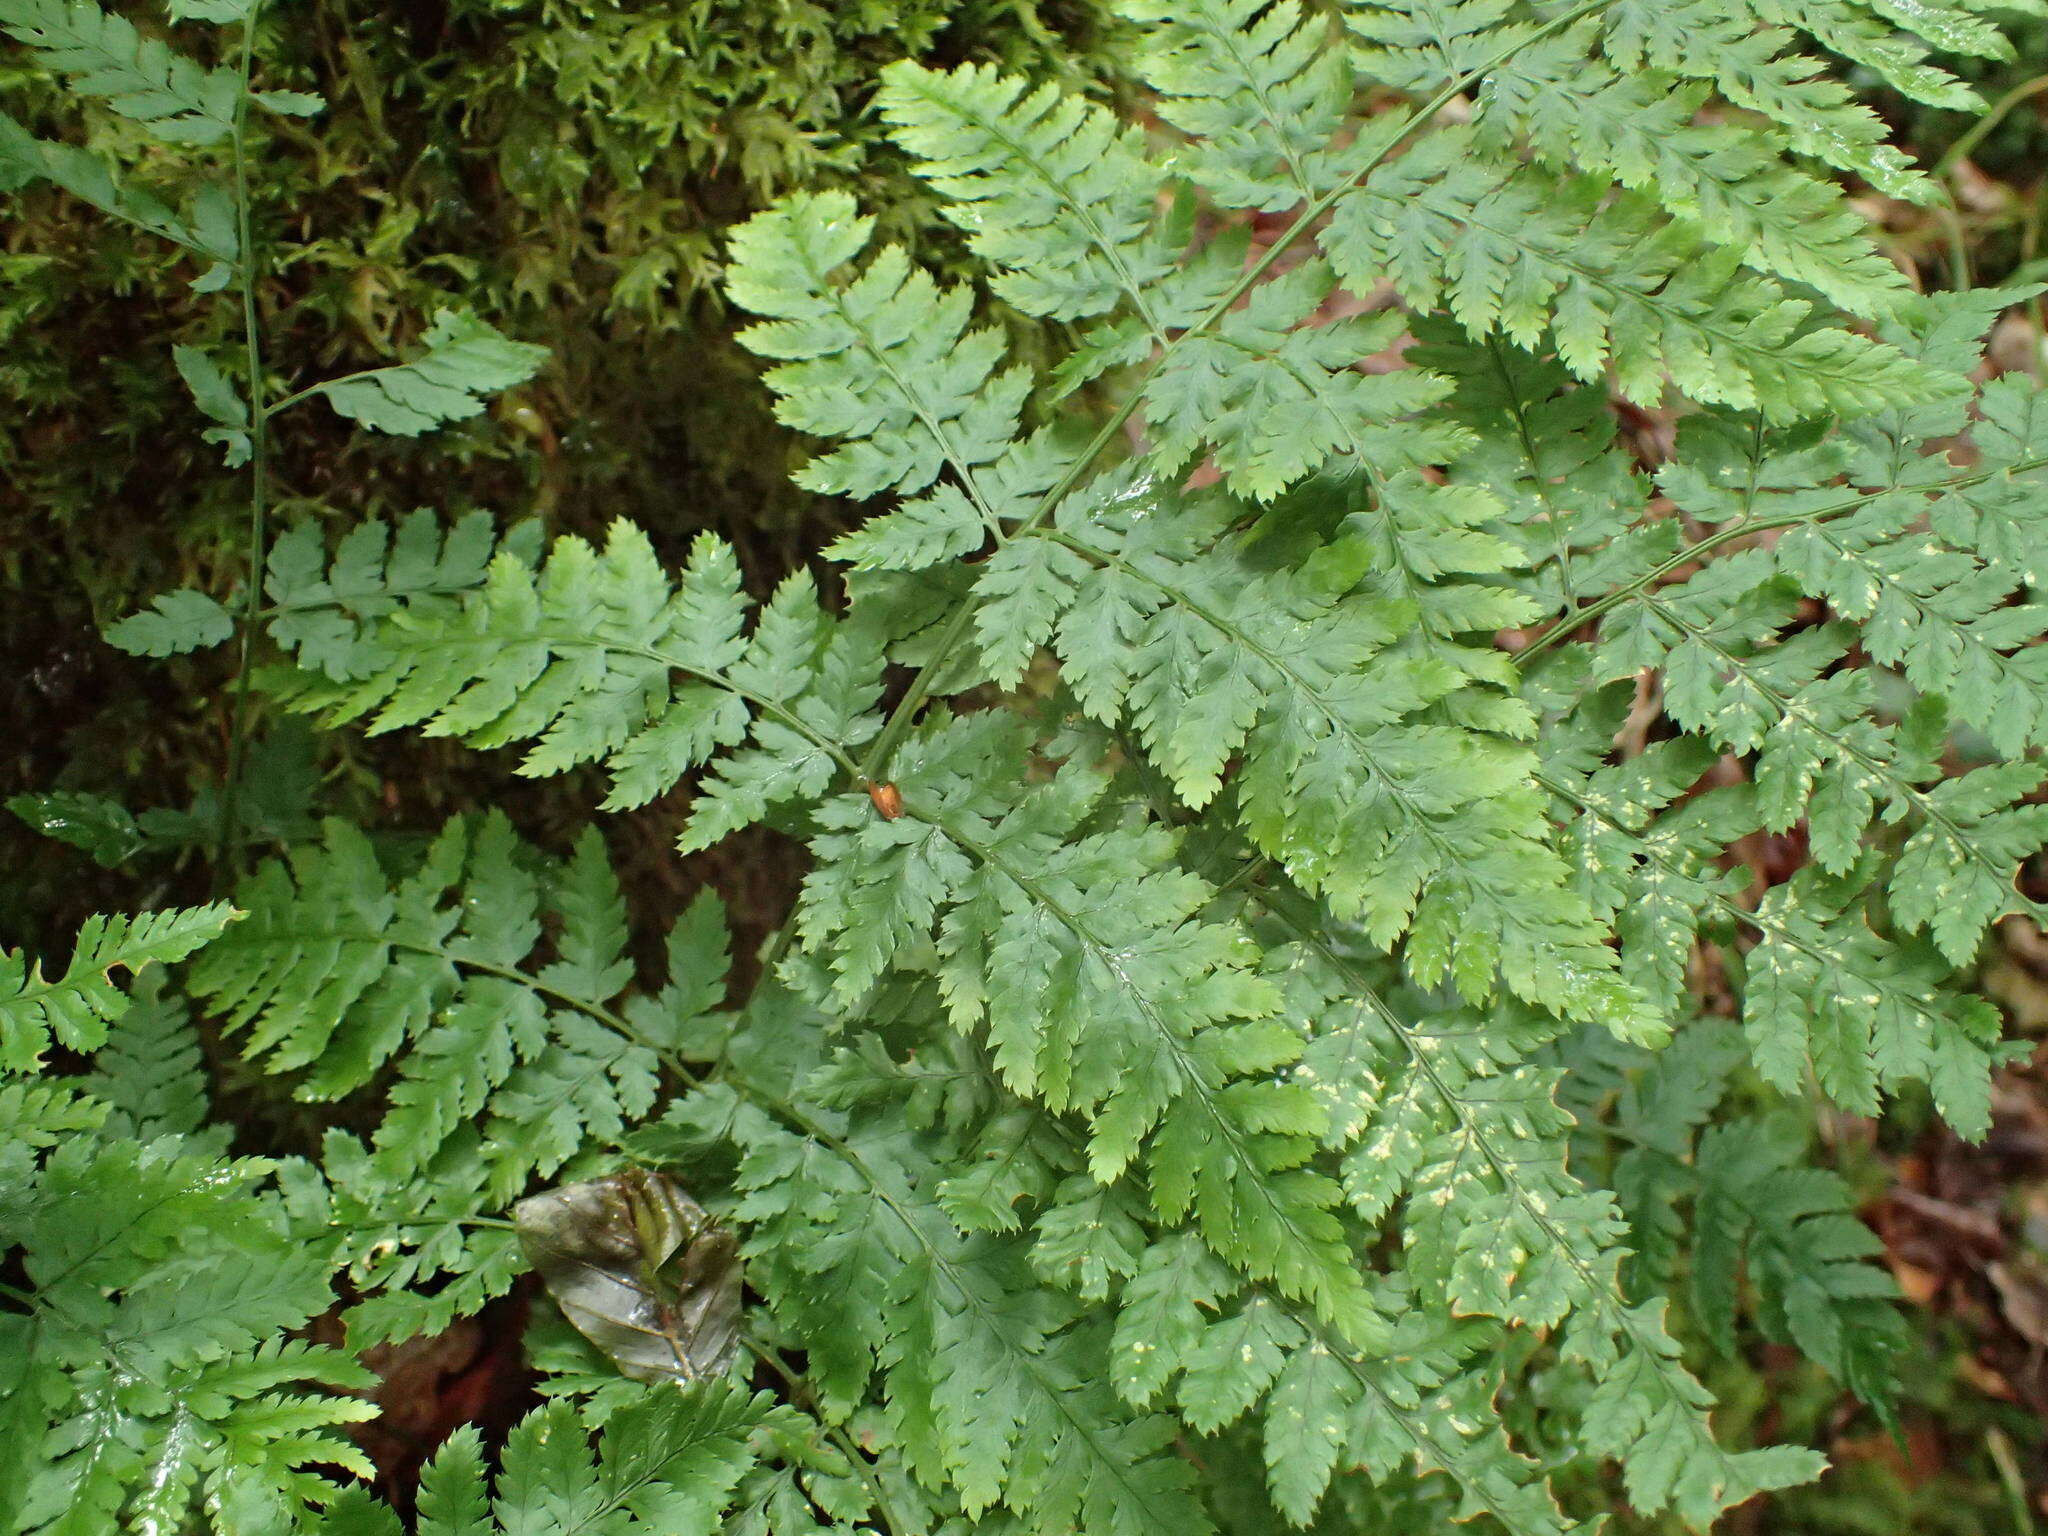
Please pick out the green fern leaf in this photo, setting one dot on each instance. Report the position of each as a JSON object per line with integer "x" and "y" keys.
{"x": 511, "y": 1058}
{"x": 93, "y": 823}
{"x": 207, "y": 229}
{"x": 1515, "y": 250}
{"x": 76, "y": 1007}
{"x": 1260, "y": 96}
{"x": 150, "y": 1073}
{"x": 1098, "y": 991}
{"x": 1807, "y": 1256}
{"x": 104, "y": 57}
{"x": 993, "y": 1387}
{"x": 1467, "y": 1132}
{"x": 1301, "y": 677}
{"x": 464, "y": 363}
{"x": 667, "y": 1464}
{"x": 174, "y": 623}
{"x": 580, "y": 657}
{"x": 321, "y": 609}
{"x": 1067, "y": 215}
{"x": 1730, "y": 179}
{"x": 215, "y": 394}
{"x": 146, "y": 1365}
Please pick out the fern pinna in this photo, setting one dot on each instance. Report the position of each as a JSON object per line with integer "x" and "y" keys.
{"x": 1267, "y": 784}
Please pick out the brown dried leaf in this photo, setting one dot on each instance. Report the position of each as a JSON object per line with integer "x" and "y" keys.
{"x": 641, "y": 1270}
{"x": 2023, "y": 1297}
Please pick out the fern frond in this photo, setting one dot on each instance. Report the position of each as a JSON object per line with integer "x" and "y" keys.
{"x": 206, "y": 228}
{"x": 321, "y": 610}
{"x": 1869, "y": 1014}
{"x": 1258, "y": 91}
{"x": 1518, "y": 250}
{"x": 884, "y": 359}
{"x": 581, "y": 656}
{"x": 1940, "y": 616}
{"x": 463, "y": 363}
{"x": 1271, "y": 395}
{"x": 75, "y": 1008}
{"x": 219, "y": 399}
{"x": 174, "y": 622}
{"x": 1730, "y": 180}
{"x": 146, "y": 1360}
{"x": 1733, "y": 677}
{"x": 1413, "y": 1409}
{"x": 1327, "y": 1407}
{"x": 511, "y": 1060}
{"x": 1343, "y": 736}
{"x": 1272, "y": 398}
{"x": 34, "y": 1116}
{"x": 809, "y": 1475}
{"x": 808, "y": 1482}
{"x": 103, "y": 56}
{"x": 1825, "y": 990}
{"x": 1745, "y": 52}
{"x": 1460, "y": 1126}
{"x": 995, "y": 1384}
{"x": 319, "y": 606}
{"x": 1543, "y": 448}
{"x": 1760, "y": 1215}
{"x": 150, "y": 1073}
{"x": 1099, "y": 991}
{"x": 1794, "y": 1231}
{"x": 1053, "y": 191}
{"x": 1923, "y": 563}
{"x": 1662, "y": 1101}
{"x": 667, "y": 1463}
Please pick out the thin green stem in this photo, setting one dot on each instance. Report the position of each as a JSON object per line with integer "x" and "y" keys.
{"x": 230, "y": 851}
{"x": 1984, "y": 126}
{"x": 1944, "y": 169}
{"x": 2030, "y": 247}
{"x": 1951, "y": 218}
{"x": 278, "y": 407}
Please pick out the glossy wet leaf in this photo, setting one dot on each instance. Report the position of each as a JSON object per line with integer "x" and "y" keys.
{"x": 641, "y": 1270}
{"x": 102, "y": 827}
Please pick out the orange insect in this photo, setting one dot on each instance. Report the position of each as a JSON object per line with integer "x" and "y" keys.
{"x": 888, "y": 800}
